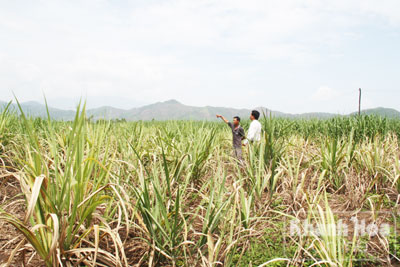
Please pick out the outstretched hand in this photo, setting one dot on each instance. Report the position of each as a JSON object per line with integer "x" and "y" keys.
{"x": 222, "y": 117}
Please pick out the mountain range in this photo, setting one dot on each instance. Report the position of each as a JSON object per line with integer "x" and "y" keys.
{"x": 174, "y": 110}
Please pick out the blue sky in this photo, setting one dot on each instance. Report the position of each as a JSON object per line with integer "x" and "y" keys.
{"x": 288, "y": 55}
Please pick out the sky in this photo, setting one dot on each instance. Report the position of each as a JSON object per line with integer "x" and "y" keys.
{"x": 287, "y": 55}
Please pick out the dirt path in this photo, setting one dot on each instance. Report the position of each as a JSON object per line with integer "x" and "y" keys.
{"x": 13, "y": 202}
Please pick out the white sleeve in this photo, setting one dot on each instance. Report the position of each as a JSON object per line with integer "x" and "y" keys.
{"x": 250, "y": 135}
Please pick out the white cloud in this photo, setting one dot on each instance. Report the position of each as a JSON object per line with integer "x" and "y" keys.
{"x": 325, "y": 93}
{"x": 189, "y": 50}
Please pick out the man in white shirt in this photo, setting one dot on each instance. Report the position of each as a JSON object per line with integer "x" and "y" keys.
{"x": 254, "y": 134}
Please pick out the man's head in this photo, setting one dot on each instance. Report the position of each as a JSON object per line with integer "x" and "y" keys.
{"x": 236, "y": 121}
{"x": 254, "y": 115}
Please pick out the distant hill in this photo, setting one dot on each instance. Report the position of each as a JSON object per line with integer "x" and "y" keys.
{"x": 174, "y": 110}
{"x": 36, "y": 109}
{"x": 105, "y": 113}
{"x": 383, "y": 112}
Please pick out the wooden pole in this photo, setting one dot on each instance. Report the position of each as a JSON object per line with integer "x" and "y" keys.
{"x": 359, "y": 102}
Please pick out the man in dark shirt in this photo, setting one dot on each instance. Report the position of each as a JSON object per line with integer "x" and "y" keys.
{"x": 238, "y": 135}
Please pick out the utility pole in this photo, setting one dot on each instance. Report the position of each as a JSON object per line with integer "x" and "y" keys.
{"x": 359, "y": 102}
